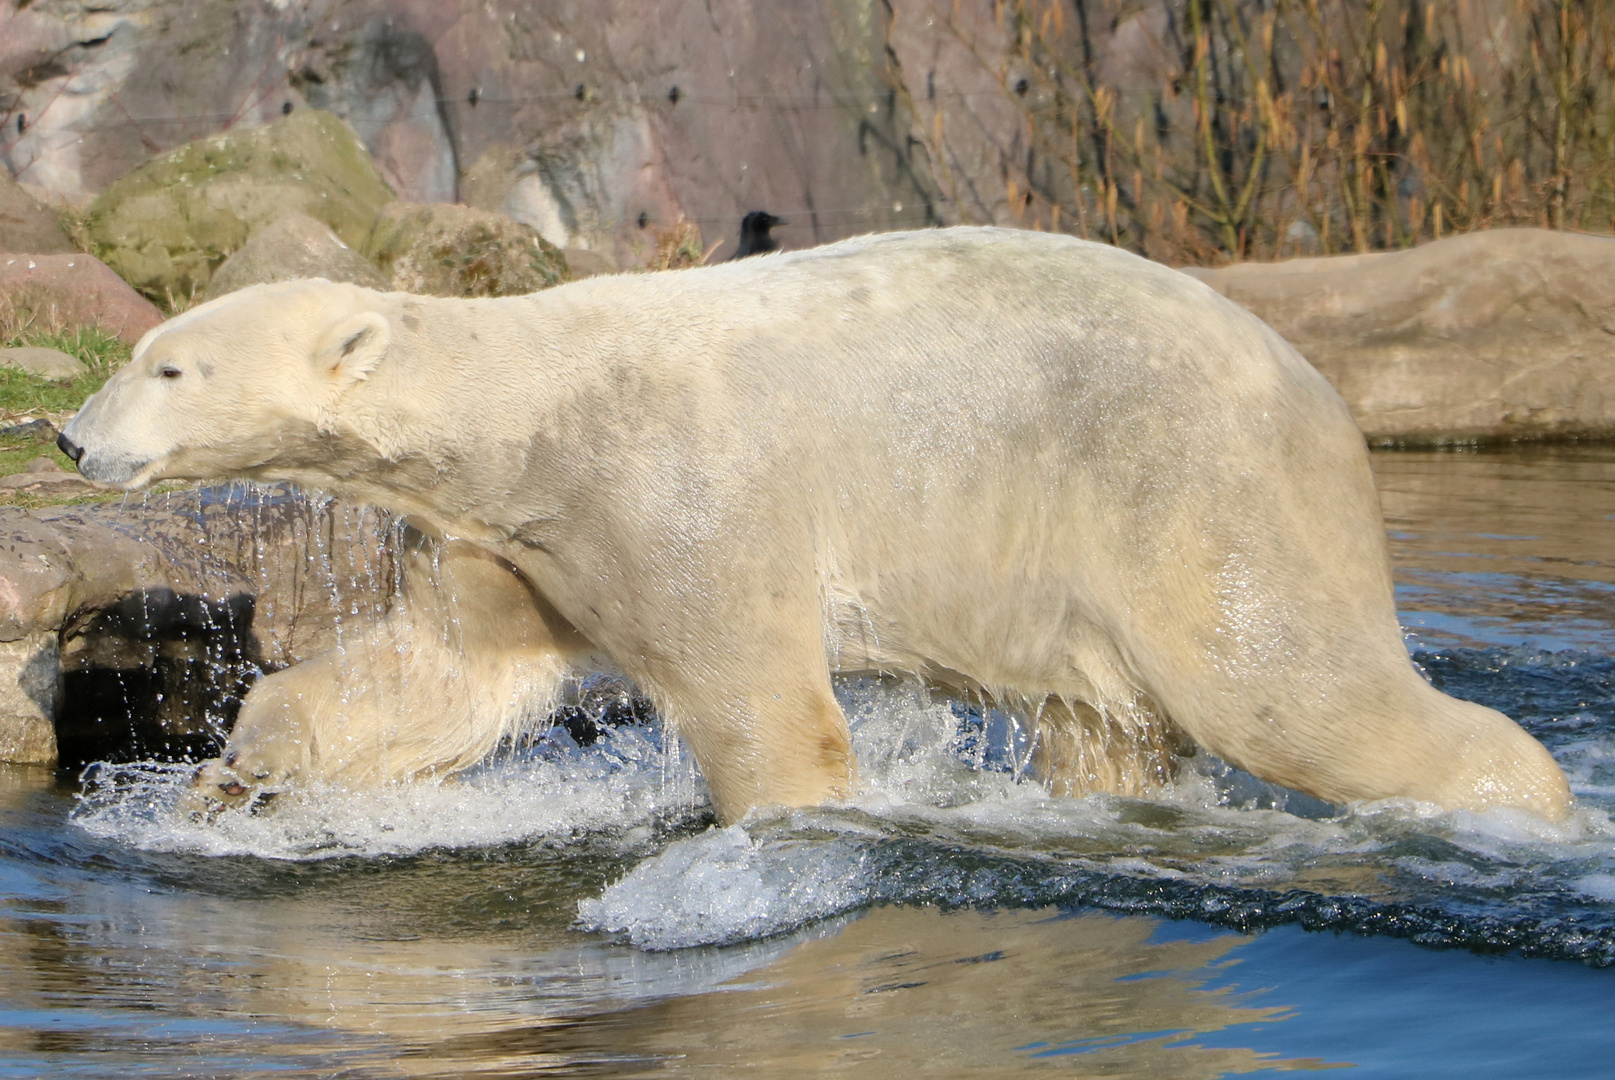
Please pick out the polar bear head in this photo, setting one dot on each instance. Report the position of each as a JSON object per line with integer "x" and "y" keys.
{"x": 244, "y": 385}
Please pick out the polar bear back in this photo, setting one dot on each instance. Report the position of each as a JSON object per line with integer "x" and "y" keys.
{"x": 1004, "y": 454}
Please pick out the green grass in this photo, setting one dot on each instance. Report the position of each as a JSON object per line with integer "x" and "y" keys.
{"x": 99, "y": 351}
{"x": 23, "y": 396}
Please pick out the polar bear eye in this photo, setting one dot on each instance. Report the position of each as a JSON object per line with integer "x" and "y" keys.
{"x": 169, "y": 371}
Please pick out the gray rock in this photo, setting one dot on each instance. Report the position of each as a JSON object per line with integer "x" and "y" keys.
{"x": 26, "y": 224}
{"x": 46, "y": 363}
{"x": 296, "y": 246}
{"x": 1508, "y": 334}
{"x": 40, "y": 430}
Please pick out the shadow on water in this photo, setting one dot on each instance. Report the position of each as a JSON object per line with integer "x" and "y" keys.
{"x": 570, "y": 910}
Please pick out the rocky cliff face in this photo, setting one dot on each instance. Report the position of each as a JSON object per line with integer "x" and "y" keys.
{"x": 593, "y": 123}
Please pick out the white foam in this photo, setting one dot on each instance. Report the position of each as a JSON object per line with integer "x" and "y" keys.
{"x": 625, "y": 780}
{"x": 723, "y": 887}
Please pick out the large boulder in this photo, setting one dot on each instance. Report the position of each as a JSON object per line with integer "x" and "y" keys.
{"x": 141, "y": 627}
{"x": 1499, "y": 335}
{"x": 447, "y": 250}
{"x": 66, "y": 291}
{"x": 168, "y": 225}
{"x": 26, "y": 224}
{"x": 296, "y": 246}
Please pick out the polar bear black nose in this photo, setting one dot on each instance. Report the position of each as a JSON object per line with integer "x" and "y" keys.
{"x": 72, "y": 449}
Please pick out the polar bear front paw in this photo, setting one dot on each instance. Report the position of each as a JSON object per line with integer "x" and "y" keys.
{"x": 231, "y": 781}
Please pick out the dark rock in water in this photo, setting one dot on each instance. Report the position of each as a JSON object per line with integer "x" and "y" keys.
{"x": 604, "y": 705}
{"x": 754, "y": 237}
{"x": 135, "y": 632}
{"x": 294, "y": 247}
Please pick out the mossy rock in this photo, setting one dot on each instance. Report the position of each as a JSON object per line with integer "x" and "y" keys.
{"x": 169, "y": 224}
{"x": 440, "y": 249}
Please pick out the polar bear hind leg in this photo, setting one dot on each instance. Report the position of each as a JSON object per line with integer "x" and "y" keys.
{"x": 1123, "y": 749}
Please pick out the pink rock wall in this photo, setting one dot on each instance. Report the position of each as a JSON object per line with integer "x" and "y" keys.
{"x": 563, "y": 114}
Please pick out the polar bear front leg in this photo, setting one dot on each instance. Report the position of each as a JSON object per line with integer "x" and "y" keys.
{"x": 467, "y": 655}
{"x": 758, "y": 713}
{"x": 765, "y": 746}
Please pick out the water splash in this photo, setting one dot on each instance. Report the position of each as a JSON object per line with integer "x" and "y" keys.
{"x": 942, "y": 819}
{"x": 552, "y": 790}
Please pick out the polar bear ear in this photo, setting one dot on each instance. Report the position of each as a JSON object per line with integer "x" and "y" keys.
{"x": 353, "y": 346}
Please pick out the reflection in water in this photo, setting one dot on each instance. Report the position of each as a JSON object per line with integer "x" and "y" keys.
{"x": 433, "y": 930}
{"x": 1512, "y": 546}
{"x": 972, "y": 994}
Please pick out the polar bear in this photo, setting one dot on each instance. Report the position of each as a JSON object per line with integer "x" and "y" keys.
{"x": 1073, "y": 483}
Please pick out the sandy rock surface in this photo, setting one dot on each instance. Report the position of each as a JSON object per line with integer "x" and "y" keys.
{"x": 1508, "y": 334}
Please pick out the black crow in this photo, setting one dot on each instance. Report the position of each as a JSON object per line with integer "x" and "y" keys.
{"x": 754, "y": 238}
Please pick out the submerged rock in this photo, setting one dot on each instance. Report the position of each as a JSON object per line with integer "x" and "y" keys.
{"x": 447, "y": 250}
{"x": 167, "y": 225}
{"x": 294, "y": 247}
{"x": 1508, "y": 334}
{"x": 69, "y": 291}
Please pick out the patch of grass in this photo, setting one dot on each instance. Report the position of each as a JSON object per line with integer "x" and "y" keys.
{"x": 22, "y": 393}
{"x": 24, "y": 396}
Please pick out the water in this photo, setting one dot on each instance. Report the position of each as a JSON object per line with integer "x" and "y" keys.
{"x": 572, "y": 910}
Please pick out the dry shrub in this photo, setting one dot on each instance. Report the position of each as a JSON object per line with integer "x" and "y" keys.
{"x": 27, "y": 313}
{"x": 1287, "y": 126}
{"x": 679, "y": 246}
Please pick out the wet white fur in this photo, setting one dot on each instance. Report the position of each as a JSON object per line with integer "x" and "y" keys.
{"x": 1036, "y": 469}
